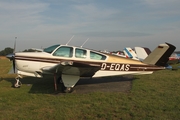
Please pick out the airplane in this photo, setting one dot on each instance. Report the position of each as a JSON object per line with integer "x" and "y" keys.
{"x": 70, "y": 63}
{"x": 129, "y": 53}
{"x": 174, "y": 59}
{"x": 139, "y": 53}
{"x": 142, "y": 52}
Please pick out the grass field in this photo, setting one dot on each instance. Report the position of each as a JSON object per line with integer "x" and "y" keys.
{"x": 152, "y": 97}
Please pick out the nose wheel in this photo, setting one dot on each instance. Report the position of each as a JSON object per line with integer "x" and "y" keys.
{"x": 18, "y": 83}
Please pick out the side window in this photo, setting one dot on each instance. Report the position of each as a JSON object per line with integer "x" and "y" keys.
{"x": 80, "y": 53}
{"x": 64, "y": 52}
{"x": 97, "y": 56}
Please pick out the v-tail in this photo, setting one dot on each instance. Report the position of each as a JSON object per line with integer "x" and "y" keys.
{"x": 160, "y": 56}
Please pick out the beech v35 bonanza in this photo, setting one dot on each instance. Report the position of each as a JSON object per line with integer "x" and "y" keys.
{"x": 70, "y": 63}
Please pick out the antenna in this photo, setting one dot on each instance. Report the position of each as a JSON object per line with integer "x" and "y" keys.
{"x": 70, "y": 40}
{"x": 84, "y": 42}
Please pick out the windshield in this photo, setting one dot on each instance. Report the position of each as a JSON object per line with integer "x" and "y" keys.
{"x": 50, "y": 49}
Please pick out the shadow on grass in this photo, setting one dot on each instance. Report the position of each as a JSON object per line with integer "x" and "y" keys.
{"x": 108, "y": 84}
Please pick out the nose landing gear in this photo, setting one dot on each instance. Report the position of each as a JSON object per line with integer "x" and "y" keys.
{"x": 18, "y": 83}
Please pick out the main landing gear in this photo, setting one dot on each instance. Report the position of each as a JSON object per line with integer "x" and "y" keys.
{"x": 18, "y": 83}
{"x": 66, "y": 89}
{"x": 63, "y": 88}
{"x": 67, "y": 82}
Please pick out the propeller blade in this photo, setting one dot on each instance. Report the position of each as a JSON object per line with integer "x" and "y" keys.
{"x": 14, "y": 45}
{"x": 14, "y": 65}
{"x": 11, "y": 56}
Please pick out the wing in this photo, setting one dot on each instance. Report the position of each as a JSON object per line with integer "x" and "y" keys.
{"x": 73, "y": 68}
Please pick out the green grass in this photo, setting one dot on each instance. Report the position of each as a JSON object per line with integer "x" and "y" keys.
{"x": 153, "y": 97}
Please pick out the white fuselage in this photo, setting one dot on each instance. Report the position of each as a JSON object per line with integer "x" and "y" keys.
{"x": 31, "y": 64}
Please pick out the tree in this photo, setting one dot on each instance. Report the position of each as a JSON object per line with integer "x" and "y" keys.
{"x": 6, "y": 51}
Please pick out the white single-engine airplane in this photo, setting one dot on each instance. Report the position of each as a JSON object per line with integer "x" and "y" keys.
{"x": 70, "y": 63}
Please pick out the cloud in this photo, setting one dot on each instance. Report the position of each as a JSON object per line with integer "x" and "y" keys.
{"x": 112, "y": 34}
{"x": 53, "y": 21}
{"x": 163, "y": 7}
{"x": 91, "y": 11}
{"x": 21, "y": 14}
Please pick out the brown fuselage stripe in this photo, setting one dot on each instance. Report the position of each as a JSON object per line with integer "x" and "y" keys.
{"x": 102, "y": 65}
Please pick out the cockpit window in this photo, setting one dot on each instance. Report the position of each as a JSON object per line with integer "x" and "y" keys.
{"x": 97, "y": 56}
{"x": 64, "y": 51}
{"x": 80, "y": 53}
{"x": 50, "y": 49}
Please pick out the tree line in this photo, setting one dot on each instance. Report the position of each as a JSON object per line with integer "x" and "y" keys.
{"x": 9, "y": 50}
{"x": 6, "y": 51}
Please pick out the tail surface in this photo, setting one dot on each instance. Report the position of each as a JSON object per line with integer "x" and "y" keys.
{"x": 160, "y": 56}
{"x": 130, "y": 53}
{"x": 142, "y": 52}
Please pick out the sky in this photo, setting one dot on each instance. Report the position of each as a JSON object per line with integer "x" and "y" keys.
{"x": 109, "y": 25}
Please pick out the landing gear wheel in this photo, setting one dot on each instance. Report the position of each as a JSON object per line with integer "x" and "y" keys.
{"x": 68, "y": 89}
{"x": 17, "y": 84}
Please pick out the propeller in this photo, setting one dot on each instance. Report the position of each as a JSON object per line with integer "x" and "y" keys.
{"x": 11, "y": 56}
